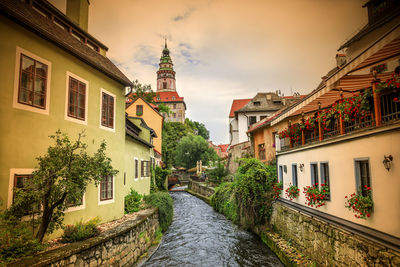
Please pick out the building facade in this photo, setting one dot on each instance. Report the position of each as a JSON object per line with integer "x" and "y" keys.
{"x": 166, "y": 89}
{"x": 56, "y": 76}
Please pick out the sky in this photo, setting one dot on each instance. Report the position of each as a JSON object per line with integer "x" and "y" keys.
{"x": 226, "y": 49}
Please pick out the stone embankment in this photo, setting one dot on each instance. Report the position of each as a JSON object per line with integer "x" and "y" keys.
{"x": 200, "y": 188}
{"x": 119, "y": 246}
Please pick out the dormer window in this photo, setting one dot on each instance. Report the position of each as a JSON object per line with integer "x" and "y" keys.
{"x": 173, "y": 98}
{"x": 158, "y": 98}
{"x": 257, "y": 103}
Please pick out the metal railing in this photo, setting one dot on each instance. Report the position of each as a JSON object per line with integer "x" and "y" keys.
{"x": 359, "y": 124}
{"x": 390, "y": 110}
{"x": 333, "y": 129}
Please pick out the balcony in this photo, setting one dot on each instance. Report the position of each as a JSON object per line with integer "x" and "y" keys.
{"x": 345, "y": 121}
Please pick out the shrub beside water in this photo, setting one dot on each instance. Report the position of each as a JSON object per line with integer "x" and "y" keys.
{"x": 132, "y": 202}
{"x": 80, "y": 231}
{"x": 165, "y": 204}
{"x": 223, "y": 200}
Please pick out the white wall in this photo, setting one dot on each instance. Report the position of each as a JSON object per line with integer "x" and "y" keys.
{"x": 385, "y": 185}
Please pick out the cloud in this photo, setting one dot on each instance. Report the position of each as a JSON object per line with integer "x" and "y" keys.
{"x": 185, "y": 15}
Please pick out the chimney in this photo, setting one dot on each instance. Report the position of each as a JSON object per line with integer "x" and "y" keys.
{"x": 78, "y": 12}
{"x": 340, "y": 60}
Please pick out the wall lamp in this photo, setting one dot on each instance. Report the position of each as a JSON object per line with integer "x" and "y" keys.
{"x": 301, "y": 167}
{"x": 387, "y": 162}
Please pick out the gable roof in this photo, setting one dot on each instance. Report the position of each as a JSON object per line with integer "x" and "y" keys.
{"x": 167, "y": 97}
{"x": 151, "y": 105}
{"x": 236, "y": 105}
{"x": 22, "y": 13}
{"x": 224, "y": 147}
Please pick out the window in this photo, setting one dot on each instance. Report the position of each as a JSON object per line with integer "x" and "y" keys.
{"x": 136, "y": 169}
{"x": 262, "y": 117}
{"x": 274, "y": 139}
{"x": 314, "y": 174}
{"x": 257, "y": 103}
{"x": 20, "y": 181}
{"x": 363, "y": 178}
{"x": 280, "y": 173}
{"x": 173, "y": 97}
{"x": 261, "y": 152}
{"x": 76, "y": 99}
{"x": 32, "y": 87}
{"x": 139, "y": 110}
{"x": 145, "y": 168}
{"x": 164, "y": 85}
{"x": 294, "y": 174}
{"x": 174, "y": 106}
{"x": 107, "y": 110}
{"x": 106, "y": 188}
{"x": 174, "y": 115}
{"x": 324, "y": 167}
{"x": 158, "y": 98}
{"x": 252, "y": 120}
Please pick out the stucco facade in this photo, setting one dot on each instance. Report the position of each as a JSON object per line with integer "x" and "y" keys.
{"x": 26, "y": 128}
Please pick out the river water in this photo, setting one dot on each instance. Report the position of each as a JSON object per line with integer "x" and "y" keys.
{"x": 199, "y": 236}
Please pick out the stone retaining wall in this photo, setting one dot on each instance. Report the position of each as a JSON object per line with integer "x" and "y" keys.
{"x": 120, "y": 246}
{"x": 201, "y": 189}
{"x": 329, "y": 245}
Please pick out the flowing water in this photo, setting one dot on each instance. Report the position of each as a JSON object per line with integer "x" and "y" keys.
{"x": 199, "y": 236}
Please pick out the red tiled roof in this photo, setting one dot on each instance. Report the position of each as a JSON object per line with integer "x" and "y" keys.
{"x": 224, "y": 147}
{"x": 168, "y": 97}
{"x": 236, "y": 105}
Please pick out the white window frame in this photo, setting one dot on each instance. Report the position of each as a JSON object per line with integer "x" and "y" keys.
{"x": 66, "y": 117}
{"x": 109, "y": 201}
{"x": 18, "y": 105}
{"x": 13, "y": 172}
{"x": 80, "y": 207}
{"x": 101, "y": 106}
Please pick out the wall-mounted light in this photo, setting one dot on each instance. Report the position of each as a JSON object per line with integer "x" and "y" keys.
{"x": 319, "y": 105}
{"x": 301, "y": 167}
{"x": 387, "y": 162}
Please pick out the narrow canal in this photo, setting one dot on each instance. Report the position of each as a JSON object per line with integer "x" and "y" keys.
{"x": 200, "y": 236}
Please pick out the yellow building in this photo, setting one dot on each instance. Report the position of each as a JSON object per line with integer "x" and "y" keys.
{"x": 146, "y": 111}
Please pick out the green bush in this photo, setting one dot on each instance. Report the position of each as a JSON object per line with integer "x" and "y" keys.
{"x": 160, "y": 177}
{"x": 16, "y": 240}
{"x": 165, "y": 204}
{"x": 217, "y": 174}
{"x": 132, "y": 202}
{"x": 223, "y": 200}
{"x": 80, "y": 231}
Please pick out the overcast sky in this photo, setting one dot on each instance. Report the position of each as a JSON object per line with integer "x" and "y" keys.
{"x": 226, "y": 49}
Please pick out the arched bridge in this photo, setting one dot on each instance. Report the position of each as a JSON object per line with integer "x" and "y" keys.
{"x": 172, "y": 181}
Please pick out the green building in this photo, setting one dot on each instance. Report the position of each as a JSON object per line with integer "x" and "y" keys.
{"x": 55, "y": 75}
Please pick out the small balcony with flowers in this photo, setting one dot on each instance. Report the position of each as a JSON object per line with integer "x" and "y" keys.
{"x": 354, "y": 111}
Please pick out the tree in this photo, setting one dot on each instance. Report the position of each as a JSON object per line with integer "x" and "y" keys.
{"x": 192, "y": 148}
{"x": 164, "y": 109}
{"x": 198, "y": 128}
{"x": 171, "y": 135}
{"x": 218, "y": 173}
{"x": 142, "y": 90}
{"x": 61, "y": 179}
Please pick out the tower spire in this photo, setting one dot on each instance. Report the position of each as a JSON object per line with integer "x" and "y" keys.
{"x": 165, "y": 42}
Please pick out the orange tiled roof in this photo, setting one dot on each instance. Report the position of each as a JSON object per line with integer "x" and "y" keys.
{"x": 236, "y": 105}
{"x": 168, "y": 97}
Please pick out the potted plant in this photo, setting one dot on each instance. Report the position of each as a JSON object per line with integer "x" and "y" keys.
{"x": 292, "y": 192}
{"x": 391, "y": 84}
{"x": 278, "y": 187}
{"x": 315, "y": 196}
{"x": 360, "y": 203}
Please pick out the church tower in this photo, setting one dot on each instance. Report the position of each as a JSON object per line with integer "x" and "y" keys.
{"x": 166, "y": 73}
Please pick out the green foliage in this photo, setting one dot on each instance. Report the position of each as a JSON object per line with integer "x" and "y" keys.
{"x": 142, "y": 90}
{"x": 248, "y": 200}
{"x": 132, "y": 201}
{"x": 217, "y": 174}
{"x": 157, "y": 236}
{"x": 171, "y": 135}
{"x": 192, "y": 148}
{"x": 80, "y": 231}
{"x": 198, "y": 128}
{"x": 224, "y": 201}
{"x": 61, "y": 177}
{"x": 164, "y": 109}
{"x": 160, "y": 177}
{"x": 16, "y": 239}
{"x": 254, "y": 183}
{"x": 165, "y": 204}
